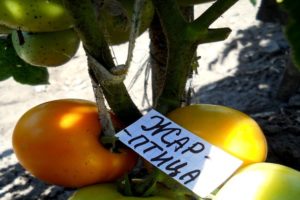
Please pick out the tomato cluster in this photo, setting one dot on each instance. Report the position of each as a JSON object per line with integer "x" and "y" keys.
{"x": 58, "y": 142}
{"x": 43, "y": 33}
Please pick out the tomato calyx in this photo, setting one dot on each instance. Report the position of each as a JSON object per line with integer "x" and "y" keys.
{"x": 139, "y": 183}
{"x": 110, "y": 142}
{"x": 139, "y": 187}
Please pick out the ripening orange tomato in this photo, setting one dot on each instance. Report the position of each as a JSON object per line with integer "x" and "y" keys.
{"x": 229, "y": 129}
{"x": 58, "y": 142}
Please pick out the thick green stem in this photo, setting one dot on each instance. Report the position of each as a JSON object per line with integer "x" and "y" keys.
{"x": 210, "y": 35}
{"x": 90, "y": 31}
{"x": 182, "y": 40}
{"x": 192, "y": 2}
{"x": 171, "y": 18}
{"x": 180, "y": 58}
{"x": 212, "y": 13}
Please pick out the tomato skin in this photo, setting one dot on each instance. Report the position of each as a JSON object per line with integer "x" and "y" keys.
{"x": 35, "y": 15}
{"x": 47, "y": 49}
{"x": 58, "y": 142}
{"x": 227, "y": 128}
{"x": 262, "y": 181}
{"x": 110, "y": 192}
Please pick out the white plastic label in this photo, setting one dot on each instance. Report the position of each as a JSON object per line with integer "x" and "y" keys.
{"x": 192, "y": 161}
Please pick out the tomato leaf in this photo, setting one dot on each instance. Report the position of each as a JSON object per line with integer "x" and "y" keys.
{"x": 292, "y": 29}
{"x": 293, "y": 35}
{"x": 253, "y": 2}
{"x": 13, "y": 66}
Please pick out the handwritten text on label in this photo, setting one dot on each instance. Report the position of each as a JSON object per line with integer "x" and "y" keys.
{"x": 182, "y": 155}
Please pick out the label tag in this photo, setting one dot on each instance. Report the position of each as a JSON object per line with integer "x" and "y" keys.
{"x": 192, "y": 161}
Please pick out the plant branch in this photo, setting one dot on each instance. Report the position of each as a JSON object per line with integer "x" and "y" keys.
{"x": 171, "y": 17}
{"x": 212, "y": 13}
{"x": 180, "y": 53}
{"x": 90, "y": 31}
{"x": 193, "y": 2}
{"x": 210, "y": 35}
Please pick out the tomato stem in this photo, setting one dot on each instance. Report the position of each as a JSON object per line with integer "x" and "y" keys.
{"x": 183, "y": 39}
{"x": 91, "y": 32}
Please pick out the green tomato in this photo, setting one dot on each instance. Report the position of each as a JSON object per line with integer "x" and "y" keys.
{"x": 117, "y": 15}
{"x": 262, "y": 181}
{"x": 35, "y": 15}
{"x": 109, "y": 191}
{"x": 46, "y": 49}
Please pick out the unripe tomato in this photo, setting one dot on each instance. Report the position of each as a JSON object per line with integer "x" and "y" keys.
{"x": 58, "y": 142}
{"x": 47, "y": 49}
{"x": 117, "y": 19}
{"x": 262, "y": 181}
{"x": 35, "y": 15}
{"x": 227, "y": 128}
{"x": 110, "y": 192}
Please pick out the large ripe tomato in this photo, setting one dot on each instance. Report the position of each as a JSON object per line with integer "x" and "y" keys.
{"x": 35, "y": 15}
{"x": 227, "y": 128}
{"x": 58, "y": 142}
{"x": 47, "y": 49}
{"x": 110, "y": 192}
{"x": 262, "y": 181}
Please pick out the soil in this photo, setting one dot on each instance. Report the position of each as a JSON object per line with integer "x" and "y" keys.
{"x": 243, "y": 72}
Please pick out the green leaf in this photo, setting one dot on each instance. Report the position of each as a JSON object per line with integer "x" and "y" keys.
{"x": 253, "y": 2}
{"x": 293, "y": 34}
{"x": 31, "y": 75}
{"x": 292, "y": 29}
{"x": 13, "y": 66}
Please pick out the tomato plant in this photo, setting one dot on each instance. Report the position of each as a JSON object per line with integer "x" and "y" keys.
{"x": 35, "y": 15}
{"x": 227, "y": 128}
{"x": 57, "y": 142}
{"x": 262, "y": 181}
{"x": 47, "y": 48}
{"x": 110, "y": 192}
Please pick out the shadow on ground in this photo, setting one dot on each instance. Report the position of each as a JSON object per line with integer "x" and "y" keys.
{"x": 17, "y": 184}
{"x": 253, "y": 88}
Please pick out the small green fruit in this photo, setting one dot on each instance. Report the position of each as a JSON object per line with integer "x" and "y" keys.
{"x": 46, "y": 49}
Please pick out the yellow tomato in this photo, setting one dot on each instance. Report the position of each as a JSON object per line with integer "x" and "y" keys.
{"x": 58, "y": 142}
{"x": 227, "y": 128}
{"x": 262, "y": 181}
